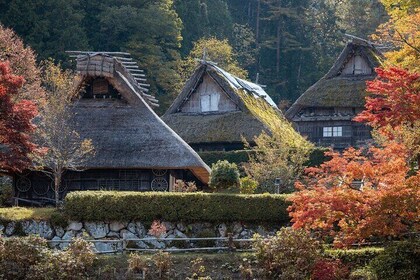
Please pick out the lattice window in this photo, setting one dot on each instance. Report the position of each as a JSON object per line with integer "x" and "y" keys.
{"x": 332, "y": 131}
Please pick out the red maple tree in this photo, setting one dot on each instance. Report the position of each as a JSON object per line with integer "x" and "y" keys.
{"x": 358, "y": 195}
{"x": 394, "y": 98}
{"x": 15, "y": 122}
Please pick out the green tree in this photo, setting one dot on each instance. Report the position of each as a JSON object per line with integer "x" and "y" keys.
{"x": 151, "y": 32}
{"x": 203, "y": 18}
{"x": 50, "y": 26}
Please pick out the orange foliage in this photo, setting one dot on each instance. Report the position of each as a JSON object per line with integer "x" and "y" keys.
{"x": 358, "y": 195}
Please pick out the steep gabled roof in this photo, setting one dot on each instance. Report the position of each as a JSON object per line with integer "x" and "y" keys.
{"x": 228, "y": 82}
{"x": 126, "y": 132}
{"x": 336, "y": 89}
{"x": 248, "y": 121}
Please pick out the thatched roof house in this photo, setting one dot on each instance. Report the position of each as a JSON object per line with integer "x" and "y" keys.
{"x": 134, "y": 148}
{"x": 324, "y": 112}
{"x": 211, "y": 112}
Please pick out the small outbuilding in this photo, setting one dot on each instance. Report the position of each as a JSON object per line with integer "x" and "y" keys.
{"x": 324, "y": 113}
{"x": 134, "y": 149}
{"x": 213, "y": 112}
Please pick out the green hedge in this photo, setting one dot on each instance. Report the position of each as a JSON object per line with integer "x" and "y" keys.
{"x": 147, "y": 206}
{"x": 355, "y": 257}
{"x": 232, "y": 156}
{"x": 315, "y": 158}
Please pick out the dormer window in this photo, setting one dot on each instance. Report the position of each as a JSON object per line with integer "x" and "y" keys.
{"x": 357, "y": 65}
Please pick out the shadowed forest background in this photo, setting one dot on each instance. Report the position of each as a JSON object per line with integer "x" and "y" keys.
{"x": 290, "y": 43}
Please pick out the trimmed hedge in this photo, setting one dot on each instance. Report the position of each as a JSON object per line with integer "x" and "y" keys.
{"x": 203, "y": 207}
{"x": 237, "y": 157}
{"x": 355, "y": 257}
{"x": 316, "y": 157}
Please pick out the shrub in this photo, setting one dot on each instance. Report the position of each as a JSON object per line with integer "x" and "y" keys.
{"x": 163, "y": 263}
{"x": 330, "y": 270}
{"x": 182, "y": 186}
{"x": 354, "y": 257}
{"x": 248, "y": 185}
{"x": 224, "y": 176}
{"x": 364, "y": 273}
{"x": 137, "y": 264}
{"x": 157, "y": 229}
{"x": 201, "y": 207}
{"x": 198, "y": 269}
{"x": 75, "y": 263}
{"x": 398, "y": 261}
{"x": 290, "y": 254}
{"x": 18, "y": 255}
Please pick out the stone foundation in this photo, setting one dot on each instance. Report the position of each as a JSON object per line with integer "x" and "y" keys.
{"x": 135, "y": 230}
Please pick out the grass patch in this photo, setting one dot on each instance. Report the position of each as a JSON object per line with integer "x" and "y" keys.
{"x": 22, "y": 213}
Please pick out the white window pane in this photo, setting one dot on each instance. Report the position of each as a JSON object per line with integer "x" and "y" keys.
{"x": 327, "y": 131}
{"x": 205, "y": 103}
{"x": 214, "y": 101}
{"x": 338, "y": 131}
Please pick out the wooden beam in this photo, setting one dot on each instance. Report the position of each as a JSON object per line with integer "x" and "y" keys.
{"x": 123, "y": 58}
{"x": 99, "y": 52}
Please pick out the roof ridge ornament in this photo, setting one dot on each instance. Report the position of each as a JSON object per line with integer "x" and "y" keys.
{"x": 203, "y": 59}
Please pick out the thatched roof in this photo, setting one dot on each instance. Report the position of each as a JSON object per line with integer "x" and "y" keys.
{"x": 126, "y": 133}
{"x": 337, "y": 89}
{"x": 219, "y": 126}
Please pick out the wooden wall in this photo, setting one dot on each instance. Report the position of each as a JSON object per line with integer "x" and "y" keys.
{"x": 357, "y": 65}
{"x": 208, "y": 97}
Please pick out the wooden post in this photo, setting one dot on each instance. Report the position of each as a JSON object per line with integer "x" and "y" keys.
{"x": 124, "y": 244}
{"x": 231, "y": 246}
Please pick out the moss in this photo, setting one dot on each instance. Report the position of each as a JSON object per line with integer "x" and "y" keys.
{"x": 275, "y": 122}
{"x": 22, "y": 213}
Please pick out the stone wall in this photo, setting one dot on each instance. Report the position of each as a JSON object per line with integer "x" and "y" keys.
{"x": 134, "y": 230}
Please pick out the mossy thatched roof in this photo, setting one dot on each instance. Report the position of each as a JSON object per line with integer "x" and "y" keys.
{"x": 257, "y": 112}
{"x": 336, "y": 90}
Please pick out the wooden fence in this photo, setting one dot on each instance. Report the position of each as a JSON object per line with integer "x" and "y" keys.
{"x": 227, "y": 244}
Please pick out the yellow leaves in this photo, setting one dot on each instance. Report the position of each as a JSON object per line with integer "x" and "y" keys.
{"x": 403, "y": 32}
{"x": 218, "y": 51}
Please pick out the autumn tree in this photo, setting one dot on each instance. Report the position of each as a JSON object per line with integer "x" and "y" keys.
{"x": 401, "y": 33}
{"x": 358, "y": 195}
{"x": 393, "y": 107}
{"x": 22, "y": 62}
{"x": 64, "y": 149}
{"x": 15, "y": 122}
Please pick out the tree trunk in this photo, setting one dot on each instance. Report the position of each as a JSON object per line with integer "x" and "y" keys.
{"x": 257, "y": 34}
{"x": 278, "y": 45}
{"x": 57, "y": 183}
